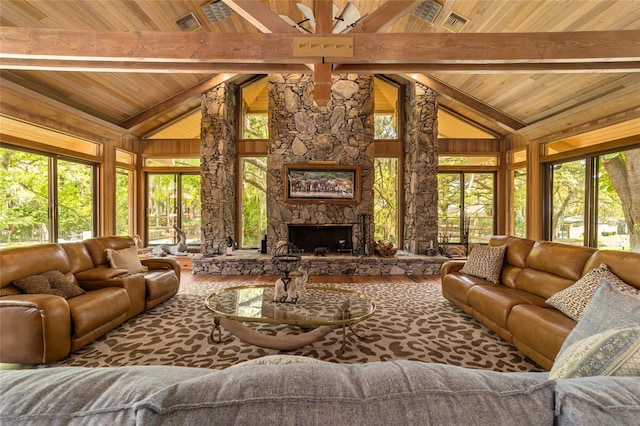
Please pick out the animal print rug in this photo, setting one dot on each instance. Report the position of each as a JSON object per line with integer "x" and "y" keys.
{"x": 412, "y": 321}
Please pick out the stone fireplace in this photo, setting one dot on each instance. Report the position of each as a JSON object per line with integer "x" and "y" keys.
{"x": 336, "y": 238}
{"x": 302, "y": 133}
{"x": 340, "y": 133}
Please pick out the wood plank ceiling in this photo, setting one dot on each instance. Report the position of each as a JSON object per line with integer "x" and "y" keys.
{"x": 520, "y": 98}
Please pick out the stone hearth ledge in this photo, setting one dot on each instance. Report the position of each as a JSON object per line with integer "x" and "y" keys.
{"x": 249, "y": 262}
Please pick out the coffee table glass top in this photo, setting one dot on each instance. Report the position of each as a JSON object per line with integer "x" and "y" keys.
{"x": 315, "y": 307}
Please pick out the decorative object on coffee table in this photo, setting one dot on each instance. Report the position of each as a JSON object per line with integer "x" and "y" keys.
{"x": 286, "y": 259}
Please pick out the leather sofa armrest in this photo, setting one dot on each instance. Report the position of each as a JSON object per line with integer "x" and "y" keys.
{"x": 162, "y": 263}
{"x": 35, "y": 328}
{"x": 451, "y": 266}
{"x": 100, "y": 274}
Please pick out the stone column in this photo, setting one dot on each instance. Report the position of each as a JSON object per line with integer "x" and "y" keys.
{"x": 218, "y": 166}
{"x": 339, "y": 133}
{"x": 421, "y": 168}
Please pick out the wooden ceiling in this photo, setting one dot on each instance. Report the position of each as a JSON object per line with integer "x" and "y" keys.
{"x": 538, "y": 69}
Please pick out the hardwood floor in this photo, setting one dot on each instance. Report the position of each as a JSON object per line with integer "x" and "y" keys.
{"x": 188, "y": 278}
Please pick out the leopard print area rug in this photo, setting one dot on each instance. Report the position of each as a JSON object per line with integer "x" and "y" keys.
{"x": 413, "y": 321}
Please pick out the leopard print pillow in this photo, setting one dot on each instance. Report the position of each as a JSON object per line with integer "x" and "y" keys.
{"x": 573, "y": 300}
{"x": 485, "y": 262}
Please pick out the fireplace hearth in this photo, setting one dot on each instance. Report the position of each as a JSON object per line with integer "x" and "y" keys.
{"x": 335, "y": 237}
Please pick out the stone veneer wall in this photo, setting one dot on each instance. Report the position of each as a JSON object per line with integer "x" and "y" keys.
{"x": 421, "y": 168}
{"x": 300, "y": 132}
{"x": 218, "y": 166}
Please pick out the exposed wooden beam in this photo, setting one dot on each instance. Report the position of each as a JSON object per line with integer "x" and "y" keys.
{"x": 521, "y": 68}
{"x": 384, "y": 16}
{"x": 323, "y": 12}
{"x": 149, "y": 67}
{"x": 260, "y": 16}
{"x": 467, "y": 100}
{"x": 477, "y": 48}
{"x": 177, "y": 99}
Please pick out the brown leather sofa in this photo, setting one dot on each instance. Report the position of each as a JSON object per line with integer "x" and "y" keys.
{"x": 43, "y": 328}
{"x": 532, "y": 271}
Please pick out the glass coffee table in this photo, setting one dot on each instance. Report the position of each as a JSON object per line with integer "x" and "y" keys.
{"x": 318, "y": 310}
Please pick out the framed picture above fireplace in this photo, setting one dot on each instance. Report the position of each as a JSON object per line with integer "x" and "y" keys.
{"x": 322, "y": 183}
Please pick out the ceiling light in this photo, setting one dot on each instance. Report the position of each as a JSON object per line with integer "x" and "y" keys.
{"x": 427, "y": 10}
{"x": 216, "y": 11}
{"x": 348, "y": 19}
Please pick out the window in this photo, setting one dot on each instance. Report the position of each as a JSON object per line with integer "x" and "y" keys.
{"x": 593, "y": 201}
{"x": 385, "y": 117}
{"x": 385, "y": 199}
{"x": 255, "y": 110}
{"x": 45, "y": 198}
{"x": 124, "y": 201}
{"x": 173, "y": 200}
{"x": 75, "y": 189}
{"x": 466, "y": 195}
{"x": 518, "y": 202}
{"x": 254, "y": 201}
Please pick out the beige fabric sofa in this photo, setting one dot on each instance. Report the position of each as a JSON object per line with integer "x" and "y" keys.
{"x": 43, "y": 328}
{"x": 532, "y": 272}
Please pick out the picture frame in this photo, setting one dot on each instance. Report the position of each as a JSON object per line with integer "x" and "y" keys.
{"x": 322, "y": 183}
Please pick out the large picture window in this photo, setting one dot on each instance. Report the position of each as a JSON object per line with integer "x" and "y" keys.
{"x": 45, "y": 198}
{"x": 466, "y": 195}
{"x": 594, "y": 201}
{"x": 173, "y": 200}
{"x": 385, "y": 199}
{"x": 254, "y": 201}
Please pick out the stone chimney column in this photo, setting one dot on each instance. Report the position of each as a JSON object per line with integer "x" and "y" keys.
{"x": 421, "y": 168}
{"x": 218, "y": 166}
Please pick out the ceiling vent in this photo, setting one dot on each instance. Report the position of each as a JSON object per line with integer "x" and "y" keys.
{"x": 427, "y": 10}
{"x": 188, "y": 23}
{"x": 455, "y": 23}
{"x": 216, "y": 11}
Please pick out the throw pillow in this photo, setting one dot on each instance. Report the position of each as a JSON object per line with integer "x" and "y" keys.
{"x": 485, "y": 262}
{"x": 608, "y": 308}
{"x": 125, "y": 259}
{"x": 34, "y": 284}
{"x": 573, "y": 300}
{"x": 57, "y": 281}
{"x": 614, "y": 352}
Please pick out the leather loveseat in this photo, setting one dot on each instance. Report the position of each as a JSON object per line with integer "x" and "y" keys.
{"x": 43, "y": 328}
{"x": 532, "y": 271}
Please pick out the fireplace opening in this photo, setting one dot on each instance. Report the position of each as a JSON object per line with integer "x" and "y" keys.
{"x": 336, "y": 238}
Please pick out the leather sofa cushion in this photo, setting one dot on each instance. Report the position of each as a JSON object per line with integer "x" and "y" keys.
{"x": 559, "y": 259}
{"x": 161, "y": 285}
{"x": 97, "y": 247}
{"x": 495, "y": 301}
{"x": 542, "y": 328}
{"x": 20, "y": 262}
{"x": 541, "y": 283}
{"x": 457, "y": 285}
{"x": 625, "y": 265}
{"x": 79, "y": 257}
{"x": 96, "y": 308}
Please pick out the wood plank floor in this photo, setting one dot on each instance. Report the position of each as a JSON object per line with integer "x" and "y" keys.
{"x": 188, "y": 278}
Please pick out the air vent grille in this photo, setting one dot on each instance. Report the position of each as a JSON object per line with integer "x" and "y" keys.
{"x": 216, "y": 11}
{"x": 188, "y": 23}
{"x": 455, "y": 22}
{"x": 427, "y": 10}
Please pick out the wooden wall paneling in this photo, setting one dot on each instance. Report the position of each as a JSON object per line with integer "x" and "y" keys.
{"x": 534, "y": 192}
{"x": 171, "y": 147}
